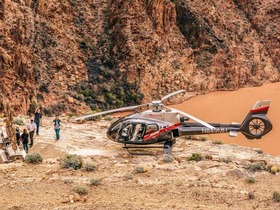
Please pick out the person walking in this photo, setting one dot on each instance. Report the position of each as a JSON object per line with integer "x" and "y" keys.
{"x": 57, "y": 127}
{"x": 31, "y": 128}
{"x": 37, "y": 119}
{"x": 24, "y": 139}
{"x": 18, "y": 135}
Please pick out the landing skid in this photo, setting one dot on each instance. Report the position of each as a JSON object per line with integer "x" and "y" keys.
{"x": 141, "y": 150}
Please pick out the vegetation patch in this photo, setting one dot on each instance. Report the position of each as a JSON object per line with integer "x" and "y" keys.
{"x": 95, "y": 181}
{"x": 108, "y": 118}
{"x": 257, "y": 166}
{"x": 73, "y": 162}
{"x": 89, "y": 167}
{"x": 276, "y": 196}
{"x": 128, "y": 176}
{"x": 226, "y": 160}
{"x": 81, "y": 190}
{"x": 196, "y": 157}
{"x": 202, "y": 138}
{"x": 217, "y": 142}
{"x": 18, "y": 121}
{"x": 259, "y": 151}
{"x": 34, "y": 158}
{"x": 250, "y": 180}
{"x": 68, "y": 181}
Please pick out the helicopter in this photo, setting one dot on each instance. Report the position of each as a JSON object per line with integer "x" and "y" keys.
{"x": 163, "y": 124}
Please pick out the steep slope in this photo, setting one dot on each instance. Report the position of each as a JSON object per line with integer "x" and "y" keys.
{"x": 67, "y": 54}
{"x": 195, "y": 45}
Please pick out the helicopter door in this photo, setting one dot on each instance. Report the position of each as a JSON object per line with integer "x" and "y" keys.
{"x": 138, "y": 132}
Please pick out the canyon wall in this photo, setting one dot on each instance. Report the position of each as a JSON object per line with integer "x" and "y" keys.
{"x": 82, "y": 55}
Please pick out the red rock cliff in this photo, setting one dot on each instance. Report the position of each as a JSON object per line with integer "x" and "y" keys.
{"x": 68, "y": 53}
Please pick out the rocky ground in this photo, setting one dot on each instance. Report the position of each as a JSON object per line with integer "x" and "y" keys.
{"x": 224, "y": 179}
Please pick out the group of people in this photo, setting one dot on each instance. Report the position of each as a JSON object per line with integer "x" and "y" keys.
{"x": 33, "y": 127}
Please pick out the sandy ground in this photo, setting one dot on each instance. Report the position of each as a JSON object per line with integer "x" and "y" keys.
{"x": 169, "y": 182}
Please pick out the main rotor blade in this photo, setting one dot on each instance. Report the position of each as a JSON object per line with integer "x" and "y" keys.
{"x": 171, "y": 94}
{"x": 192, "y": 117}
{"x": 129, "y": 108}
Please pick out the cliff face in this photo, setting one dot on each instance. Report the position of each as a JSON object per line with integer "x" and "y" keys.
{"x": 69, "y": 53}
{"x": 193, "y": 45}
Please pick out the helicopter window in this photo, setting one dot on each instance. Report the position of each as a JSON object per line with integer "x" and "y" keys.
{"x": 114, "y": 128}
{"x": 126, "y": 131}
{"x": 138, "y": 132}
{"x": 151, "y": 129}
{"x": 132, "y": 132}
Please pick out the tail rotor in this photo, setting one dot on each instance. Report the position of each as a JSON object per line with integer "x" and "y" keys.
{"x": 256, "y": 124}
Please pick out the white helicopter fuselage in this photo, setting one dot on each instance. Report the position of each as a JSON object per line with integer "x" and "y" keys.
{"x": 162, "y": 115}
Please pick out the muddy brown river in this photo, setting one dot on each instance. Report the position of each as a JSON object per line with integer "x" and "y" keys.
{"x": 233, "y": 106}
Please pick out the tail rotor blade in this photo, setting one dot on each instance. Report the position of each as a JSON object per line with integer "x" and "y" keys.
{"x": 192, "y": 117}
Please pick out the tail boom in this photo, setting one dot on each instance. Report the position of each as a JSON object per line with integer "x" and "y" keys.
{"x": 254, "y": 126}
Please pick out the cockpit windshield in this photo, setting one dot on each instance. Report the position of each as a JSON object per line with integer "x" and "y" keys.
{"x": 114, "y": 128}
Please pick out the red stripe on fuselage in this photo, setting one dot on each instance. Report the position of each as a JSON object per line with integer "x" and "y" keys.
{"x": 260, "y": 109}
{"x": 156, "y": 134}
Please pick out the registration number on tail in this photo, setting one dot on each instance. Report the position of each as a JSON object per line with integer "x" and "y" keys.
{"x": 216, "y": 130}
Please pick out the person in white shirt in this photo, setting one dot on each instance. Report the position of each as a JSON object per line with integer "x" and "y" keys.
{"x": 31, "y": 128}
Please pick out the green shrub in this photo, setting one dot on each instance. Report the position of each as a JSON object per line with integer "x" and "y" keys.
{"x": 33, "y": 158}
{"x": 202, "y": 138}
{"x": 89, "y": 167}
{"x": 18, "y": 121}
{"x": 257, "y": 166}
{"x": 128, "y": 176}
{"x": 108, "y": 118}
{"x": 217, "y": 142}
{"x": 276, "y": 196}
{"x": 72, "y": 162}
{"x": 95, "y": 182}
{"x": 226, "y": 160}
{"x": 250, "y": 180}
{"x": 68, "y": 181}
{"x": 81, "y": 190}
{"x": 259, "y": 151}
{"x": 196, "y": 157}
